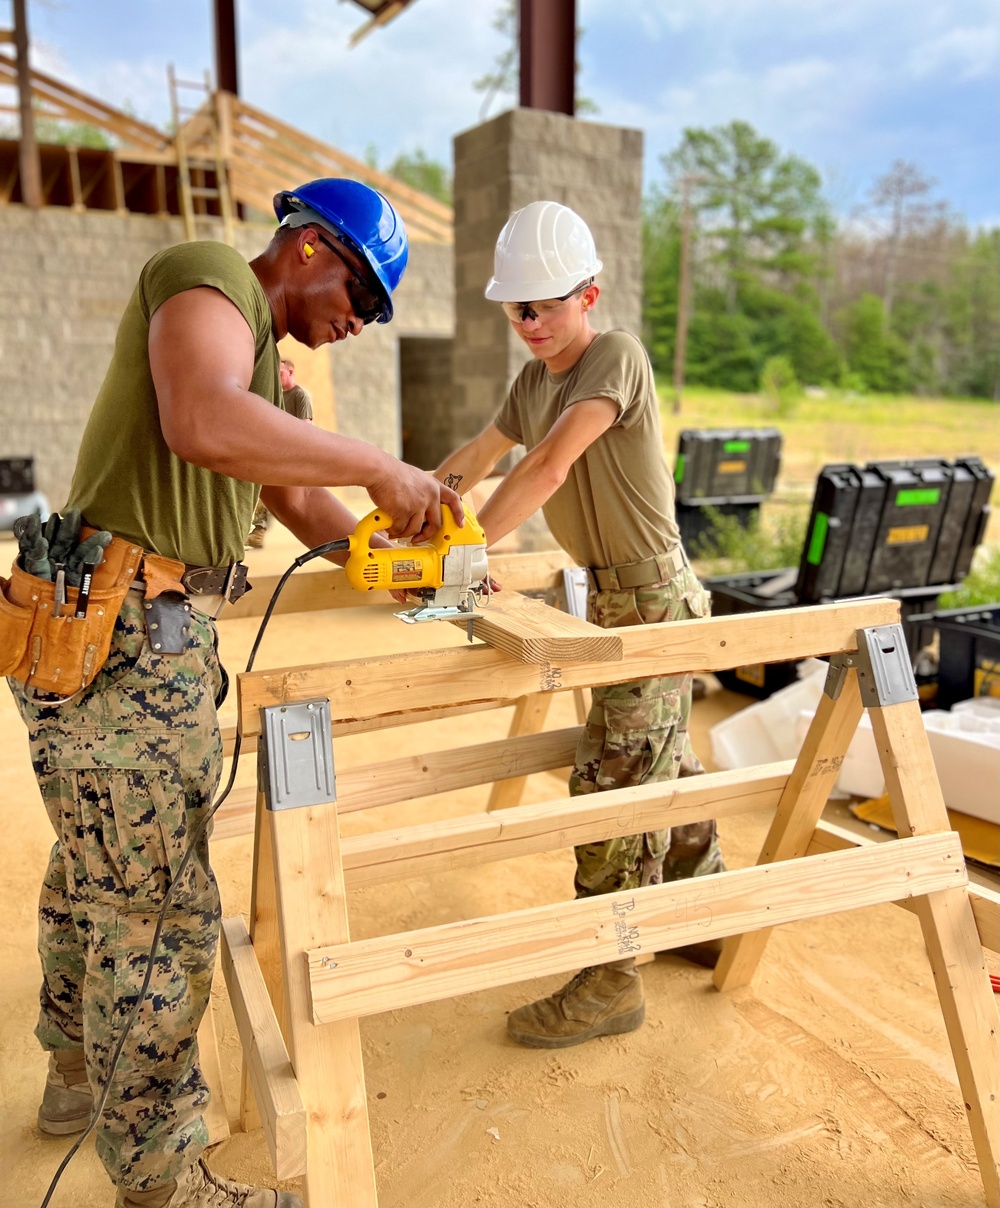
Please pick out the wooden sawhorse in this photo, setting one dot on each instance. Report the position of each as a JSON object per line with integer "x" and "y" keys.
{"x": 299, "y": 985}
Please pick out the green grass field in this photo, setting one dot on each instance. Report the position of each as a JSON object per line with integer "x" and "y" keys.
{"x": 836, "y": 428}
{"x": 841, "y": 427}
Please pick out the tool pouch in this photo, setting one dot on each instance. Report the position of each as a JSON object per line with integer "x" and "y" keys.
{"x": 63, "y": 654}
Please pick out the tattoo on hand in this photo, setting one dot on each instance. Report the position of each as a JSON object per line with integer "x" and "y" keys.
{"x": 452, "y": 480}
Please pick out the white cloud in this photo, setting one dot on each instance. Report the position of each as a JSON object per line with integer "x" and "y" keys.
{"x": 967, "y": 53}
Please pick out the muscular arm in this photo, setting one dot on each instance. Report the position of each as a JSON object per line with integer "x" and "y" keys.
{"x": 470, "y": 464}
{"x": 312, "y": 514}
{"x": 201, "y": 356}
{"x": 543, "y": 471}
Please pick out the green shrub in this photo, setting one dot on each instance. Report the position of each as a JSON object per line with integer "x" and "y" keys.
{"x": 779, "y": 385}
{"x": 730, "y": 547}
{"x": 981, "y": 585}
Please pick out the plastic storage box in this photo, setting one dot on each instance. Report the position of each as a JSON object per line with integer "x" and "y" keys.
{"x": 727, "y": 470}
{"x": 969, "y": 661}
{"x": 893, "y": 526}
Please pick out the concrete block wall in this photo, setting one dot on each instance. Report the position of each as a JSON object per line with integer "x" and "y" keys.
{"x": 65, "y": 278}
{"x": 366, "y": 368}
{"x": 521, "y": 156}
{"x": 425, "y": 370}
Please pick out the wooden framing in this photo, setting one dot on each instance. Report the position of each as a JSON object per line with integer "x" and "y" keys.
{"x": 256, "y": 153}
{"x": 318, "y": 982}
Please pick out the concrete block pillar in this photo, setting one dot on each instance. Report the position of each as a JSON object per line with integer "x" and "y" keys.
{"x": 521, "y": 156}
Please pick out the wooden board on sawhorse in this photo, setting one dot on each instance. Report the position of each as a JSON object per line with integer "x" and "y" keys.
{"x": 301, "y": 1038}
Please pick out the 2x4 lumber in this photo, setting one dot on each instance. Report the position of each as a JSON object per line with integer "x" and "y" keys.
{"x": 529, "y": 717}
{"x": 798, "y": 812}
{"x": 275, "y": 1088}
{"x": 950, "y": 933}
{"x": 312, "y": 909}
{"x": 329, "y": 588}
{"x": 371, "y": 976}
{"x": 985, "y": 902}
{"x": 434, "y": 847}
{"x": 365, "y": 725}
{"x": 266, "y": 939}
{"x": 413, "y": 776}
{"x": 367, "y": 688}
{"x": 215, "y": 1115}
{"x": 380, "y": 180}
{"x": 533, "y": 632}
{"x": 81, "y": 106}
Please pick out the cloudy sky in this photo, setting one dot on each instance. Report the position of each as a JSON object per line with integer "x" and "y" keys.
{"x": 849, "y": 84}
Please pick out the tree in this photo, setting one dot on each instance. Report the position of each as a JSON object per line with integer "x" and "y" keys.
{"x": 875, "y": 355}
{"x": 414, "y": 168}
{"x": 428, "y": 175}
{"x": 506, "y": 69}
{"x": 896, "y": 191}
{"x": 758, "y": 206}
{"x": 759, "y": 247}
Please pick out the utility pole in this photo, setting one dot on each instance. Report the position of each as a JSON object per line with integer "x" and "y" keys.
{"x": 683, "y": 290}
{"x": 31, "y": 171}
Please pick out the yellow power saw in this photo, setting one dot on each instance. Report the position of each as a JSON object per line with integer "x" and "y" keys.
{"x": 448, "y": 574}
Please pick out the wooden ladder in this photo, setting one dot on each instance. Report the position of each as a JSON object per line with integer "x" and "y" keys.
{"x": 299, "y": 985}
{"x": 206, "y": 155}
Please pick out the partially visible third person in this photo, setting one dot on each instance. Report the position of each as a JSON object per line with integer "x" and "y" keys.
{"x": 298, "y": 402}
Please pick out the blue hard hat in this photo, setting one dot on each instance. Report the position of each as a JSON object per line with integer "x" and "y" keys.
{"x": 363, "y": 218}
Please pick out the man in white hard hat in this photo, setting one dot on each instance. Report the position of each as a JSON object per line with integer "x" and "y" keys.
{"x": 586, "y": 411}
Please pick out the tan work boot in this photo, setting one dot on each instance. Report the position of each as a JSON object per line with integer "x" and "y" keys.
{"x": 67, "y": 1101}
{"x": 602, "y": 1000}
{"x": 197, "y": 1187}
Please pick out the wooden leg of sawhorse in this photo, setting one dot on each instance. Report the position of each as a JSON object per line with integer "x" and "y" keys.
{"x": 950, "y": 933}
{"x": 530, "y": 713}
{"x": 312, "y": 912}
{"x": 266, "y": 944}
{"x": 797, "y": 813}
{"x": 216, "y": 1116}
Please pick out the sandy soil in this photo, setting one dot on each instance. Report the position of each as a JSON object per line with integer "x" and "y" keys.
{"x": 829, "y": 1083}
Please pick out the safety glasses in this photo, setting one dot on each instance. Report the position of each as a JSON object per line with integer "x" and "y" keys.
{"x": 365, "y": 302}
{"x": 521, "y": 312}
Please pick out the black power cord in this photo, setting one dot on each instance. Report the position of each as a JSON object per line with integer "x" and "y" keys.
{"x": 329, "y": 548}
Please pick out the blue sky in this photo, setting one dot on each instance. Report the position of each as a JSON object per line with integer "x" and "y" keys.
{"x": 850, "y": 85}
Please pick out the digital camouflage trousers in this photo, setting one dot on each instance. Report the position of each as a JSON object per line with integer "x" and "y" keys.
{"x": 637, "y": 733}
{"x": 127, "y": 770}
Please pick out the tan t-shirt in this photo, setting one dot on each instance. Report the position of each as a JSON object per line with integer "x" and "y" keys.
{"x": 617, "y": 503}
{"x": 127, "y": 480}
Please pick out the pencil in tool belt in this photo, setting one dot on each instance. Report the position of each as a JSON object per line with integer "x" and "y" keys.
{"x": 60, "y": 592}
{"x": 83, "y": 596}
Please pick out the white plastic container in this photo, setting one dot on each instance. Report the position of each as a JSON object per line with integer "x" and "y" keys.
{"x": 766, "y": 732}
{"x": 965, "y": 744}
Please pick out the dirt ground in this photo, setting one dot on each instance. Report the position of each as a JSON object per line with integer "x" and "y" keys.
{"x": 828, "y": 1084}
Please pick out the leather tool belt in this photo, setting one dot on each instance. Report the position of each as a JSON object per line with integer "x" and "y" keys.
{"x": 50, "y": 646}
{"x": 629, "y": 575}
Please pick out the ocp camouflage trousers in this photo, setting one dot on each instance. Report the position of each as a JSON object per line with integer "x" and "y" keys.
{"x": 637, "y": 733}
{"x": 127, "y": 771}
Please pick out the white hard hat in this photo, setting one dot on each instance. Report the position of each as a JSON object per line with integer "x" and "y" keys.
{"x": 544, "y": 251}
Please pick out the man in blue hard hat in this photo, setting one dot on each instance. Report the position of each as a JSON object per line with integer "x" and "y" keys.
{"x": 186, "y": 427}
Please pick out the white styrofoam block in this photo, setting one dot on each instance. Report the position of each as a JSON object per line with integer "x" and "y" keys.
{"x": 765, "y": 732}
{"x": 967, "y": 762}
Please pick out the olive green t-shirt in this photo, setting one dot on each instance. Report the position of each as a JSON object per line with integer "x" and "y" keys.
{"x": 617, "y": 503}
{"x": 298, "y": 402}
{"x": 126, "y": 479}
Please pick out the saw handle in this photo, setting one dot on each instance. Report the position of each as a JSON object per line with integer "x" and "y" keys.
{"x": 380, "y": 520}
